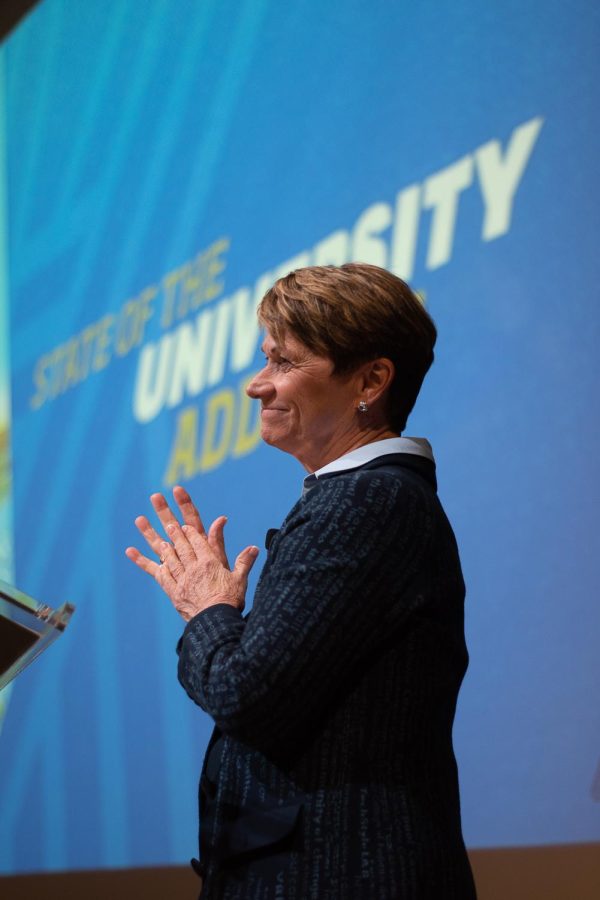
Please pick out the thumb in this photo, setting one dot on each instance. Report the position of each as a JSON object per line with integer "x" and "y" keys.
{"x": 244, "y": 563}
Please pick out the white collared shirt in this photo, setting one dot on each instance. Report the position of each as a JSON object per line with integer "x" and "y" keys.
{"x": 368, "y": 452}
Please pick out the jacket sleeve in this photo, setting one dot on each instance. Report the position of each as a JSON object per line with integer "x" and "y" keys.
{"x": 344, "y": 574}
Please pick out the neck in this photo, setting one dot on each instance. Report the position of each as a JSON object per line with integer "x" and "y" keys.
{"x": 322, "y": 456}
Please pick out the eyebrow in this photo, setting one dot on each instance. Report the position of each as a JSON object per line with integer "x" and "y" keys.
{"x": 275, "y": 349}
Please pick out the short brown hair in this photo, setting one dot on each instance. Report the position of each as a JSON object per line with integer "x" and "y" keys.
{"x": 352, "y": 314}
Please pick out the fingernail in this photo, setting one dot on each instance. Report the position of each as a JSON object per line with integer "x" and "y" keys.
{"x": 170, "y": 527}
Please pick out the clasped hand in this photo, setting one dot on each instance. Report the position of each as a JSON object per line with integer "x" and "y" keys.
{"x": 193, "y": 571}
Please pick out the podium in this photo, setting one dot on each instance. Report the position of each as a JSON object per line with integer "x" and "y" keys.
{"x": 26, "y": 629}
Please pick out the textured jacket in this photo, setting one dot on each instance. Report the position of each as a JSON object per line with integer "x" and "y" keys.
{"x": 331, "y": 773}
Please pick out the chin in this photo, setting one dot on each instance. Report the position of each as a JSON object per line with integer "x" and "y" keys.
{"x": 269, "y": 437}
{"x": 273, "y": 439}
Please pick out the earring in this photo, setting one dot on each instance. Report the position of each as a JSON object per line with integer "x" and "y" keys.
{"x": 362, "y": 406}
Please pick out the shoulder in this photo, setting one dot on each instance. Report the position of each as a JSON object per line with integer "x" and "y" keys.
{"x": 384, "y": 487}
{"x": 341, "y": 508}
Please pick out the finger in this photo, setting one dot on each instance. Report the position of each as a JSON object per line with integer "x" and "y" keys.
{"x": 163, "y": 511}
{"x": 216, "y": 540}
{"x": 244, "y": 563}
{"x": 147, "y": 565}
{"x": 189, "y": 513}
{"x": 160, "y": 573}
{"x": 184, "y": 549}
{"x": 170, "y": 560}
{"x": 152, "y": 538}
{"x": 198, "y": 541}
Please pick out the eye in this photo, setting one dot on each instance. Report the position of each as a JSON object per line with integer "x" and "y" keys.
{"x": 284, "y": 364}
{"x": 280, "y": 361}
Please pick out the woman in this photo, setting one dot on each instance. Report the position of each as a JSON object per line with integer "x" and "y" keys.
{"x": 330, "y": 774}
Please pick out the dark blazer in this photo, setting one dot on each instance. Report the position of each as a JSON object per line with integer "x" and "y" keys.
{"x": 331, "y": 773}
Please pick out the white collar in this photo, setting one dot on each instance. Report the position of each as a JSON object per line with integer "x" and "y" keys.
{"x": 368, "y": 452}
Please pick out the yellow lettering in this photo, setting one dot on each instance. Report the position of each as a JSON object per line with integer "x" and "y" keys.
{"x": 40, "y": 381}
{"x": 194, "y": 283}
{"x": 85, "y": 353}
{"x": 145, "y": 311}
{"x": 247, "y": 435}
{"x": 183, "y": 455}
{"x": 132, "y": 321}
{"x": 170, "y": 283}
{"x": 124, "y": 328}
{"x": 222, "y": 411}
{"x": 103, "y": 338}
{"x": 70, "y": 374}
{"x": 191, "y": 290}
{"x": 217, "y": 431}
{"x": 215, "y": 266}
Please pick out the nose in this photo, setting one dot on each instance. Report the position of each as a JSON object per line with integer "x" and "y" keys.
{"x": 260, "y": 388}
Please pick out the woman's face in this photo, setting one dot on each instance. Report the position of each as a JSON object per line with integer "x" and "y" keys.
{"x": 305, "y": 409}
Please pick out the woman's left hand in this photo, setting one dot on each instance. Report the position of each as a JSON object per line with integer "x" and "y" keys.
{"x": 193, "y": 571}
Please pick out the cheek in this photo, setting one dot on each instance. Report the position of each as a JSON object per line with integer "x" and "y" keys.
{"x": 321, "y": 412}
{"x": 332, "y": 401}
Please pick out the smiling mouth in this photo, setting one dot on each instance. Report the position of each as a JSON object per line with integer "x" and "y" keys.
{"x": 264, "y": 409}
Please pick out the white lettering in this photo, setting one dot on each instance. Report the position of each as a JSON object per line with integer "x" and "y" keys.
{"x": 190, "y": 359}
{"x": 219, "y": 343}
{"x": 296, "y": 262}
{"x": 441, "y": 195}
{"x": 406, "y": 229}
{"x": 245, "y": 330}
{"x": 194, "y": 356}
{"x": 367, "y": 246}
{"x": 499, "y": 177}
{"x": 334, "y": 250}
{"x": 152, "y": 378}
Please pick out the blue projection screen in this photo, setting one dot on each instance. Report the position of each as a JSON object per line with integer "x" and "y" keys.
{"x": 164, "y": 163}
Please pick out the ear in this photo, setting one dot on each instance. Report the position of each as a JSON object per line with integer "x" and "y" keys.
{"x": 376, "y": 378}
